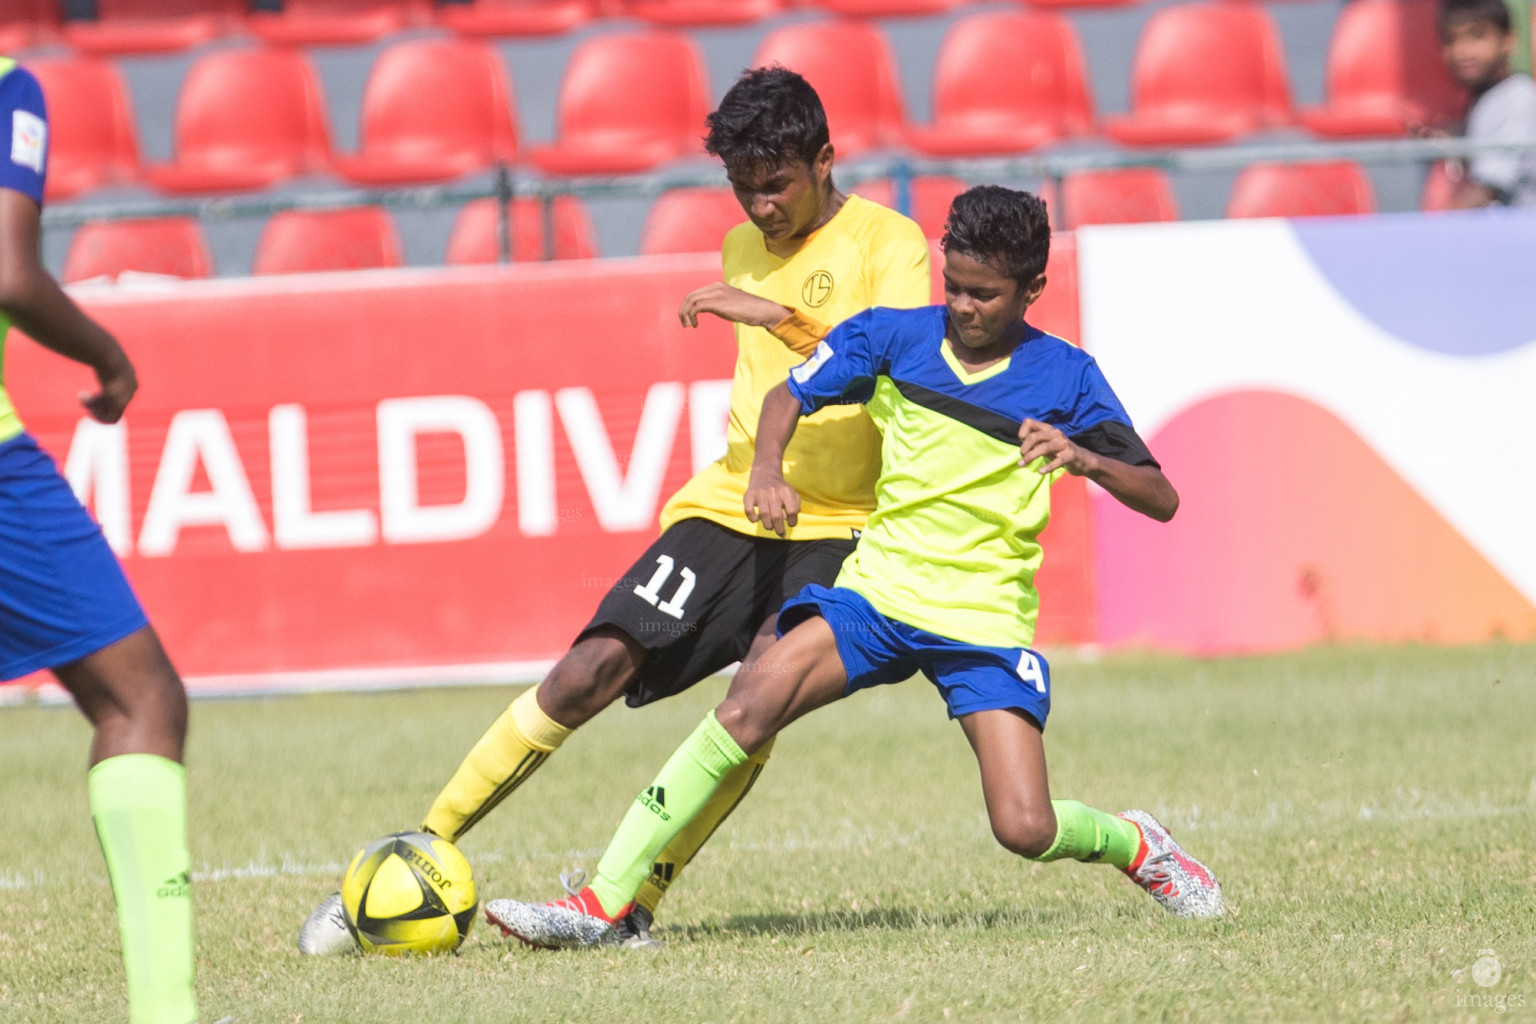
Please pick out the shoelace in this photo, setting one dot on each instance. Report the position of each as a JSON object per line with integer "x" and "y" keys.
{"x": 573, "y": 881}
{"x": 1154, "y": 875}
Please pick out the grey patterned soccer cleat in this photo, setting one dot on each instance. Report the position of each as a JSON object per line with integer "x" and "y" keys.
{"x": 635, "y": 930}
{"x": 575, "y": 922}
{"x": 325, "y": 931}
{"x": 1184, "y": 886}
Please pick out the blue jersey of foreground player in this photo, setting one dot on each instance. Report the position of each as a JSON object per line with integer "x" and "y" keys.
{"x": 952, "y": 546}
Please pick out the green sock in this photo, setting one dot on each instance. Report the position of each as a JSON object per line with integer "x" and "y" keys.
{"x": 139, "y": 804}
{"x": 1085, "y": 834}
{"x": 685, "y": 784}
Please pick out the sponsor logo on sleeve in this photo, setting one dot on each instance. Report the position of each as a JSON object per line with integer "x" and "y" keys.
{"x": 29, "y": 139}
{"x": 806, "y": 370}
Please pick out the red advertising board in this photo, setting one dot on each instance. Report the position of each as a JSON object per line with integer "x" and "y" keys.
{"x": 380, "y": 472}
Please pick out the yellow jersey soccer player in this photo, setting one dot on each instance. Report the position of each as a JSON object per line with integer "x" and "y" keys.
{"x": 966, "y": 395}
{"x": 707, "y": 592}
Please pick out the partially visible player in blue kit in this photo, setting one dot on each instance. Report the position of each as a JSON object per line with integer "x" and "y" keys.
{"x": 65, "y": 604}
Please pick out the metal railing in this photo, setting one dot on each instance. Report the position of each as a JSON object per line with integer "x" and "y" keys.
{"x": 505, "y": 184}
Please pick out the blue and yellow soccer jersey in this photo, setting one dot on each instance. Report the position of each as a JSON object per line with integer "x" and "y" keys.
{"x": 952, "y": 544}
{"x": 866, "y": 255}
{"x": 21, "y": 107}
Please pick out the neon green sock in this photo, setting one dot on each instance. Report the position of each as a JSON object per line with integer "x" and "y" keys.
{"x": 684, "y": 786}
{"x": 139, "y": 805}
{"x": 1085, "y": 834}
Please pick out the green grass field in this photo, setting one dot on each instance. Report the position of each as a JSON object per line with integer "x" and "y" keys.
{"x": 1372, "y": 814}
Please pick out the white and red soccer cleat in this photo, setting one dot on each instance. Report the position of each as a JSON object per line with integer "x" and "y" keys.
{"x": 1184, "y": 886}
{"x": 575, "y": 922}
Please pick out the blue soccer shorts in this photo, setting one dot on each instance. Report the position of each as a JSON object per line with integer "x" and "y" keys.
{"x": 876, "y": 650}
{"x": 62, "y": 593}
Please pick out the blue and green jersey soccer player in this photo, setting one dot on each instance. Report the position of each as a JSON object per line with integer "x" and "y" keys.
{"x": 979, "y": 413}
{"x": 65, "y": 604}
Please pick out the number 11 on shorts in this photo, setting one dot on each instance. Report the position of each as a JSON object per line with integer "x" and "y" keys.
{"x": 651, "y": 592}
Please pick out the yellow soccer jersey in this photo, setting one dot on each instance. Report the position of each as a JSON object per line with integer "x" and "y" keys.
{"x": 10, "y": 423}
{"x": 866, "y": 255}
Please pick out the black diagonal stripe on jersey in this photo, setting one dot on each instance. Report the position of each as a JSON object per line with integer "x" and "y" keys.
{"x": 524, "y": 768}
{"x": 1110, "y": 438}
{"x": 994, "y": 425}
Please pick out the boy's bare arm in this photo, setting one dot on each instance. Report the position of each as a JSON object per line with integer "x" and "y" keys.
{"x": 35, "y": 303}
{"x": 799, "y": 333}
{"x": 1143, "y": 489}
{"x": 769, "y": 497}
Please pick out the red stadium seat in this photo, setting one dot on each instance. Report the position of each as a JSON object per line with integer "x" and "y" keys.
{"x": 27, "y": 23}
{"x": 929, "y": 199}
{"x": 433, "y": 109}
{"x": 153, "y": 26}
{"x": 690, "y": 220}
{"x": 1385, "y": 73}
{"x": 700, "y": 12}
{"x": 302, "y": 241}
{"x": 886, "y": 8}
{"x": 628, "y": 102}
{"x": 474, "y": 235}
{"x": 226, "y": 142}
{"x": 166, "y": 245}
{"x": 515, "y": 17}
{"x": 1128, "y": 195}
{"x": 92, "y": 125}
{"x": 1070, "y": 4}
{"x": 850, "y": 65}
{"x": 332, "y": 22}
{"x": 1205, "y": 73}
{"x": 1005, "y": 83}
{"x": 1439, "y": 189}
{"x": 1334, "y": 188}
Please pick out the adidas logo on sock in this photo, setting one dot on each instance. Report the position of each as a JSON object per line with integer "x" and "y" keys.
{"x": 175, "y": 887}
{"x": 661, "y": 874}
{"x": 655, "y": 798}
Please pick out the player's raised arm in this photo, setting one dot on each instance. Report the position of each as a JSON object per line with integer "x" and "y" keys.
{"x": 769, "y": 498}
{"x": 33, "y": 301}
{"x": 1142, "y": 488}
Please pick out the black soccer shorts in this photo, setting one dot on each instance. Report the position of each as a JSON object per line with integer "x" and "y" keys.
{"x": 699, "y": 595}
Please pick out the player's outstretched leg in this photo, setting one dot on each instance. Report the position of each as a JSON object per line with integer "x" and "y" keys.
{"x": 138, "y": 796}
{"x": 1025, "y": 820}
{"x": 797, "y": 674}
{"x": 591, "y": 675}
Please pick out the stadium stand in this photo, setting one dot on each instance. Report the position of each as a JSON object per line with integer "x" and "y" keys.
{"x": 27, "y": 23}
{"x": 91, "y": 119}
{"x": 433, "y": 109}
{"x": 1080, "y": 3}
{"x": 1128, "y": 195}
{"x": 304, "y": 241}
{"x": 689, "y": 220}
{"x": 928, "y": 197}
{"x": 473, "y": 239}
{"x": 164, "y": 245}
{"x": 1323, "y": 189}
{"x": 1205, "y": 73}
{"x": 153, "y": 26}
{"x": 515, "y": 17}
{"x": 850, "y": 64}
{"x": 887, "y": 8}
{"x": 628, "y": 102}
{"x": 225, "y": 142}
{"x": 333, "y": 22}
{"x": 1006, "y": 83}
{"x": 1439, "y": 188}
{"x": 1385, "y": 73}
{"x": 700, "y": 12}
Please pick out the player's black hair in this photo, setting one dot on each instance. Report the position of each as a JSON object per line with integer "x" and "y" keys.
{"x": 1003, "y": 228}
{"x": 1475, "y": 10}
{"x": 769, "y": 117}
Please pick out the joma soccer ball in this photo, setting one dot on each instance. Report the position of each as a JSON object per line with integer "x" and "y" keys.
{"x": 409, "y": 892}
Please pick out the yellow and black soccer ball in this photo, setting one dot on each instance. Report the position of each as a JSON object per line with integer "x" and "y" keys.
{"x": 409, "y": 893}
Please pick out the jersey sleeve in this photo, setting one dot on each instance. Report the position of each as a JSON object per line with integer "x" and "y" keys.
{"x": 843, "y": 368}
{"x": 899, "y": 275}
{"x": 1099, "y": 423}
{"x": 25, "y": 116}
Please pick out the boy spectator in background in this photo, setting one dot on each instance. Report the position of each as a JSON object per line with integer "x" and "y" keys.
{"x": 1477, "y": 43}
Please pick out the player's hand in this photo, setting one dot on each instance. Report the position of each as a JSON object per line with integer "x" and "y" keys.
{"x": 118, "y": 384}
{"x": 731, "y": 304}
{"x": 1040, "y": 440}
{"x": 772, "y": 501}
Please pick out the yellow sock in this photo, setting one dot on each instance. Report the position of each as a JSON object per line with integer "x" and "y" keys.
{"x": 732, "y": 790}
{"x": 511, "y": 750}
